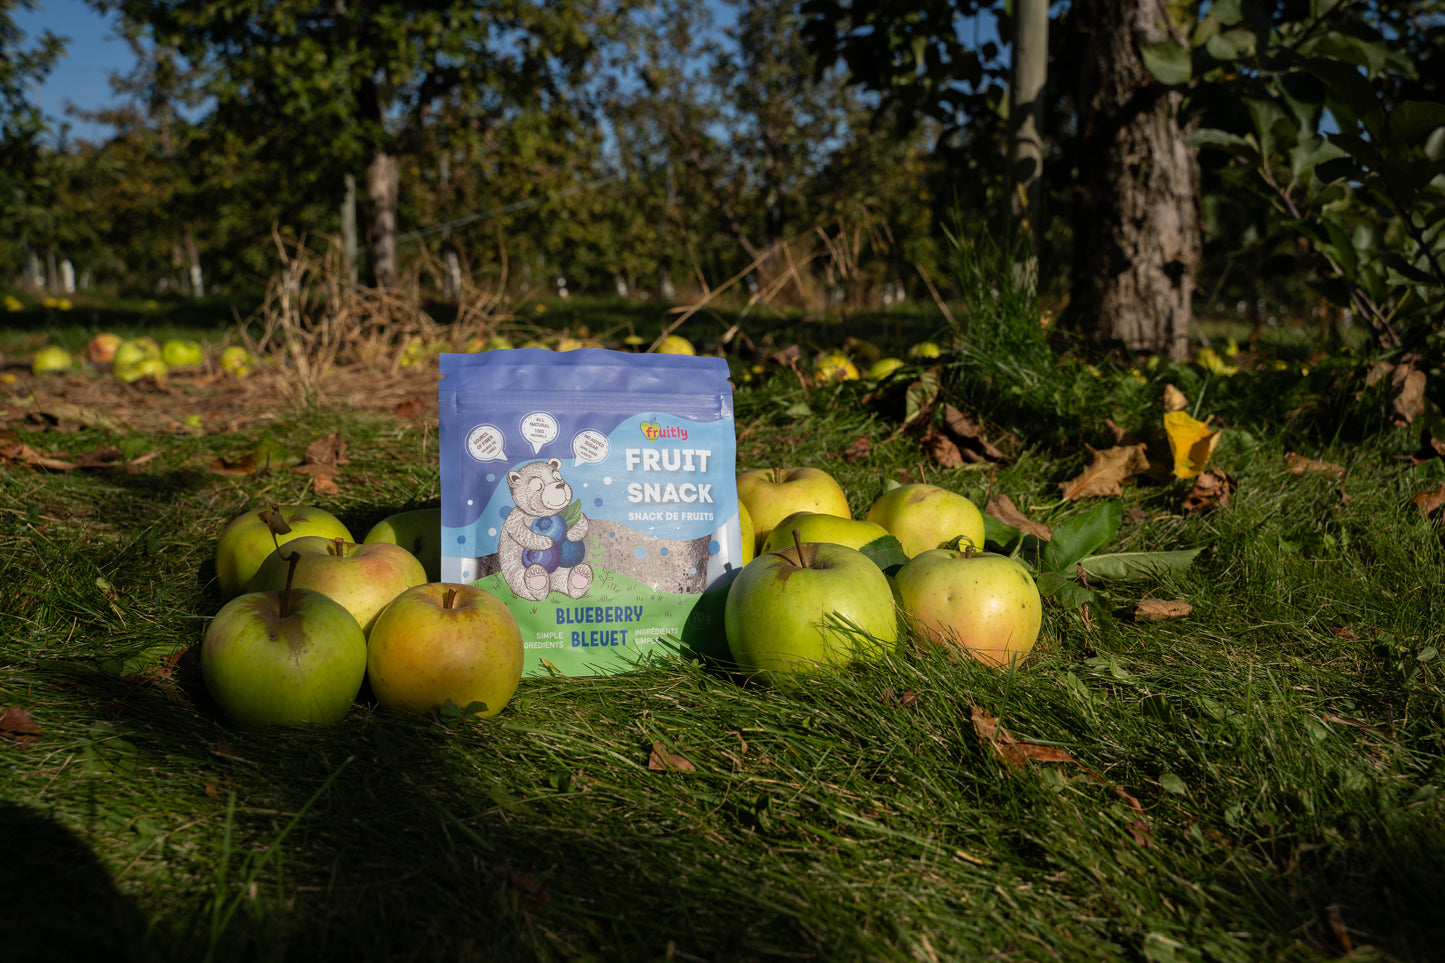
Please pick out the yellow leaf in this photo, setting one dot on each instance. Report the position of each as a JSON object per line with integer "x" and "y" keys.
{"x": 1191, "y": 443}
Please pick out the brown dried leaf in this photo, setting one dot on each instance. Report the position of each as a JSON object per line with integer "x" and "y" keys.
{"x": 275, "y": 521}
{"x": 1430, "y": 502}
{"x": 324, "y": 484}
{"x": 1002, "y": 508}
{"x": 1156, "y": 610}
{"x": 942, "y": 450}
{"x": 858, "y": 451}
{"x": 1174, "y": 399}
{"x": 968, "y": 434}
{"x": 20, "y": 453}
{"x": 1409, "y": 400}
{"x": 1212, "y": 489}
{"x": 1299, "y": 464}
{"x": 329, "y": 452}
{"x": 412, "y": 406}
{"x": 662, "y": 760}
{"x": 1122, "y": 436}
{"x": 19, "y": 726}
{"x": 1107, "y": 472}
{"x": 1015, "y": 754}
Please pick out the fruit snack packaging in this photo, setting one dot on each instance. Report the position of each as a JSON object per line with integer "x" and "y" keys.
{"x": 595, "y": 492}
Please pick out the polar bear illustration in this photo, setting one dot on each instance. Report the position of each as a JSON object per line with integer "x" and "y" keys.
{"x": 538, "y": 553}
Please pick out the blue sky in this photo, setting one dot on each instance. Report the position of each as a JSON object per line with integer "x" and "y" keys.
{"x": 93, "y": 53}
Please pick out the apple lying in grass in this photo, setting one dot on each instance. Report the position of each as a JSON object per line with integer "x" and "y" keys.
{"x": 419, "y": 531}
{"x": 101, "y": 348}
{"x": 772, "y": 494}
{"x": 924, "y": 517}
{"x": 236, "y": 360}
{"x": 883, "y": 367}
{"x": 438, "y": 642}
{"x": 363, "y": 578}
{"x": 816, "y": 527}
{"x": 183, "y": 353}
{"x": 247, "y": 540}
{"x": 981, "y": 602}
{"x": 51, "y": 359}
{"x": 750, "y": 535}
{"x": 283, "y": 658}
{"x": 676, "y": 344}
{"x": 813, "y": 605}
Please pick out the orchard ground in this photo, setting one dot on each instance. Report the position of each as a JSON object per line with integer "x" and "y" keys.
{"x": 1255, "y": 780}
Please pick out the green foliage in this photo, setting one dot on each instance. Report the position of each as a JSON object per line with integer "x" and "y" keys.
{"x": 1333, "y": 116}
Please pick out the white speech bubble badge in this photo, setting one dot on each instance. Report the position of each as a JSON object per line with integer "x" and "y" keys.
{"x": 539, "y": 428}
{"x": 589, "y": 445}
{"x": 484, "y": 443}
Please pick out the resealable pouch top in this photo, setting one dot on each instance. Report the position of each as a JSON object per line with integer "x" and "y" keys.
{"x": 594, "y": 491}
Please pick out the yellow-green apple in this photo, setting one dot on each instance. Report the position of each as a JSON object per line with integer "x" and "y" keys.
{"x": 101, "y": 348}
{"x": 51, "y": 359}
{"x": 283, "y": 658}
{"x": 236, "y": 360}
{"x": 132, "y": 351}
{"x": 419, "y": 531}
{"x": 441, "y": 641}
{"x": 676, "y": 344}
{"x": 982, "y": 602}
{"x": 772, "y": 494}
{"x": 144, "y": 368}
{"x": 247, "y": 540}
{"x": 750, "y": 535}
{"x": 363, "y": 578}
{"x": 884, "y": 367}
{"x": 923, "y": 517}
{"x": 183, "y": 353}
{"x": 813, "y": 605}
{"x": 817, "y": 527}
{"x": 835, "y": 366}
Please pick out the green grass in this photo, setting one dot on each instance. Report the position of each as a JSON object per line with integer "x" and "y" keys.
{"x": 1256, "y": 781}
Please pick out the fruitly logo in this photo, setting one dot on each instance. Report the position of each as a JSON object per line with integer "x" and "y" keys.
{"x": 653, "y": 430}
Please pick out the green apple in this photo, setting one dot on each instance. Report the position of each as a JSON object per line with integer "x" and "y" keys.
{"x": 926, "y": 349}
{"x": 786, "y": 611}
{"x": 884, "y": 367}
{"x": 816, "y": 527}
{"x": 750, "y": 535}
{"x": 363, "y": 578}
{"x": 924, "y": 516}
{"x": 144, "y": 368}
{"x": 439, "y": 641}
{"x": 181, "y": 353}
{"x": 283, "y": 658}
{"x": 51, "y": 359}
{"x": 236, "y": 360}
{"x": 247, "y": 540}
{"x": 676, "y": 344}
{"x": 419, "y": 531}
{"x": 982, "y": 602}
{"x": 772, "y": 494}
{"x": 835, "y": 366}
{"x": 132, "y": 351}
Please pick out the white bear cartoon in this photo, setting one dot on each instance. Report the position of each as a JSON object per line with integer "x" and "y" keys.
{"x": 538, "y": 553}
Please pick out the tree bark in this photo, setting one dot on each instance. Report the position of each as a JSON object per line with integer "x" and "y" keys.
{"x": 383, "y": 177}
{"x": 1030, "y": 71}
{"x": 348, "y": 228}
{"x": 1136, "y": 227}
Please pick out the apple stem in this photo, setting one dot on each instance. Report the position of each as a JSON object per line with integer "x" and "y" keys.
{"x": 798, "y": 544}
{"x": 337, "y": 544}
{"x": 292, "y": 560}
{"x": 450, "y": 597}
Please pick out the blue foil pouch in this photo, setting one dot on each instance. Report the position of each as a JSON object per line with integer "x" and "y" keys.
{"x": 595, "y": 492}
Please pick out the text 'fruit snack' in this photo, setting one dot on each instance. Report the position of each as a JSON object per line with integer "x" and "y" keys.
{"x": 592, "y": 490}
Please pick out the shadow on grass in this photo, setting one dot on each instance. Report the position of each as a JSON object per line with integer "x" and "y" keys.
{"x": 59, "y": 902}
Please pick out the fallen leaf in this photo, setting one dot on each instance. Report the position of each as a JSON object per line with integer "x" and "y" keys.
{"x": 1191, "y": 442}
{"x": 1122, "y": 436}
{"x": 1156, "y": 610}
{"x": 324, "y": 484}
{"x": 22, "y": 454}
{"x": 1409, "y": 400}
{"x": 662, "y": 760}
{"x": 1174, "y": 399}
{"x": 858, "y": 451}
{"x": 968, "y": 434}
{"x": 412, "y": 406}
{"x": 1002, "y": 508}
{"x": 1212, "y": 490}
{"x": 19, "y": 726}
{"x": 1430, "y": 502}
{"x": 329, "y": 451}
{"x": 942, "y": 450}
{"x": 1299, "y": 464}
{"x": 1109, "y": 469}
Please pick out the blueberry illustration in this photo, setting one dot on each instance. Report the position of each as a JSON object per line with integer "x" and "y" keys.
{"x": 552, "y": 526}
{"x": 548, "y": 558}
{"x": 572, "y": 553}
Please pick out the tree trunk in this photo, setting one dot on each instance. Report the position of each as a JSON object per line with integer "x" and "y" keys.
{"x": 383, "y": 175}
{"x": 1136, "y": 227}
{"x": 1030, "y": 71}
{"x": 348, "y": 229}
